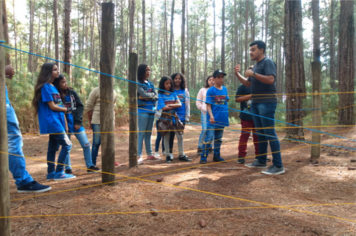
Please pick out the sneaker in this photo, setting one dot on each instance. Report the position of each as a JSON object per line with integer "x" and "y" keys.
{"x": 93, "y": 169}
{"x": 268, "y": 159}
{"x": 256, "y": 164}
{"x": 33, "y": 187}
{"x": 184, "y": 158}
{"x": 241, "y": 160}
{"x": 157, "y": 155}
{"x": 169, "y": 159}
{"x": 50, "y": 176}
{"x": 218, "y": 159}
{"x": 68, "y": 171}
{"x": 63, "y": 176}
{"x": 153, "y": 158}
{"x": 203, "y": 160}
{"x": 274, "y": 170}
{"x": 140, "y": 160}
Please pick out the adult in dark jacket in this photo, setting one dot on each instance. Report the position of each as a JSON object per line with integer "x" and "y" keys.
{"x": 75, "y": 122}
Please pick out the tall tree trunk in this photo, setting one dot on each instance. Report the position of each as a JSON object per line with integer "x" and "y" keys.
{"x": 32, "y": 16}
{"x": 132, "y": 23}
{"x": 50, "y": 40}
{"x": 332, "y": 46}
{"x": 214, "y": 65}
{"x": 246, "y": 35}
{"x": 205, "y": 51}
{"x": 6, "y": 31}
{"x": 92, "y": 40}
{"x": 223, "y": 37}
{"x": 165, "y": 43}
{"x": 56, "y": 37}
{"x": 171, "y": 41}
{"x": 151, "y": 37}
{"x": 67, "y": 38}
{"x": 188, "y": 49}
{"x": 144, "y": 59}
{"x": 15, "y": 35}
{"x": 253, "y": 21}
{"x": 346, "y": 69}
{"x": 182, "y": 39}
{"x": 38, "y": 48}
{"x": 295, "y": 84}
{"x": 46, "y": 33}
{"x": 266, "y": 20}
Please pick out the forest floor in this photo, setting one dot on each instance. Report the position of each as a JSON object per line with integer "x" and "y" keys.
{"x": 192, "y": 199}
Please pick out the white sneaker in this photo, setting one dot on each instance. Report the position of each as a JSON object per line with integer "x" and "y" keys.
{"x": 140, "y": 160}
{"x": 157, "y": 155}
{"x": 171, "y": 155}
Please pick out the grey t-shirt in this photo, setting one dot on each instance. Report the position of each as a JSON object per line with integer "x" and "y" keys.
{"x": 262, "y": 92}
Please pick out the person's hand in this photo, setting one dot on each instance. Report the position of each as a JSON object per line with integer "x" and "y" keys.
{"x": 9, "y": 71}
{"x": 76, "y": 127}
{"x": 212, "y": 120}
{"x": 249, "y": 73}
{"x": 237, "y": 69}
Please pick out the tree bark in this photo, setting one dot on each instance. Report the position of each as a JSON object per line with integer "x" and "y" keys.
{"x": 132, "y": 25}
{"x": 214, "y": 65}
{"x": 183, "y": 39}
{"x": 188, "y": 49}
{"x": 32, "y": 15}
{"x": 171, "y": 41}
{"x": 144, "y": 59}
{"x": 294, "y": 69}
{"x": 15, "y": 35}
{"x": 346, "y": 70}
{"x": 56, "y": 37}
{"x": 333, "y": 65}
{"x": 246, "y": 35}
{"x": 67, "y": 38}
{"x": 223, "y": 37}
{"x": 6, "y": 31}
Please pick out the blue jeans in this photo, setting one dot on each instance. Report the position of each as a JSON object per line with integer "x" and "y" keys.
{"x": 84, "y": 142}
{"x": 56, "y": 140}
{"x": 158, "y": 140}
{"x": 211, "y": 133}
{"x": 204, "y": 125}
{"x": 17, "y": 163}
{"x": 96, "y": 142}
{"x": 266, "y": 135}
{"x": 145, "y": 125}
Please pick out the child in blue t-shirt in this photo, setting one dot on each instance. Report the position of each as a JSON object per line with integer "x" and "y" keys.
{"x": 75, "y": 123}
{"x": 49, "y": 108}
{"x": 217, "y": 117}
{"x": 167, "y": 104}
{"x": 183, "y": 95}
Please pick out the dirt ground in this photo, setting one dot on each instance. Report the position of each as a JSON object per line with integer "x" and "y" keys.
{"x": 192, "y": 199}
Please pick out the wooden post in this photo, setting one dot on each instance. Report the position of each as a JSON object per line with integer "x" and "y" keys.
{"x": 133, "y": 110}
{"x": 5, "y": 227}
{"x": 107, "y": 65}
{"x": 316, "y": 72}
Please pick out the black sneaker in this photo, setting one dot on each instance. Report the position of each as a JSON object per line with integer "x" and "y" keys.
{"x": 256, "y": 164}
{"x": 203, "y": 160}
{"x": 218, "y": 159}
{"x": 241, "y": 160}
{"x": 93, "y": 169}
{"x": 184, "y": 158}
{"x": 169, "y": 159}
{"x": 33, "y": 187}
{"x": 273, "y": 170}
{"x": 69, "y": 171}
{"x": 268, "y": 159}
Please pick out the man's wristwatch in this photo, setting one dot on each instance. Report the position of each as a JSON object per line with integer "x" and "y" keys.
{"x": 254, "y": 74}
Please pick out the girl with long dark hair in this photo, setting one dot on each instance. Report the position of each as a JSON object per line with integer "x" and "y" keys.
{"x": 168, "y": 102}
{"x": 75, "y": 122}
{"x": 146, "y": 101}
{"x": 49, "y": 108}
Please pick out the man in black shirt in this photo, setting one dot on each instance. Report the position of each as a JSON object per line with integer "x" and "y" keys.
{"x": 262, "y": 79}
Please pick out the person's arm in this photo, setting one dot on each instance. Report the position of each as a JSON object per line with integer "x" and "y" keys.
{"x": 199, "y": 102}
{"x": 266, "y": 79}
{"x": 212, "y": 120}
{"x": 187, "y": 105}
{"x": 243, "y": 98}
{"x": 54, "y": 107}
{"x": 242, "y": 79}
{"x": 78, "y": 113}
{"x": 90, "y": 104}
{"x": 175, "y": 105}
{"x": 66, "y": 124}
{"x": 145, "y": 95}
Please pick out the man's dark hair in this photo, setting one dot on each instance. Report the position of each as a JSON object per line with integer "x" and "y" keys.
{"x": 260, "y": 44}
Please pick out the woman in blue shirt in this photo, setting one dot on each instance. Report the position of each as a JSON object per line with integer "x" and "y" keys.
{"x": 168, "y": 102}
{"x": 49, "y": 108}
{"x": 146, "y": 101}
{"x": 183, "y": 95}
{"x": 75, "y": 122}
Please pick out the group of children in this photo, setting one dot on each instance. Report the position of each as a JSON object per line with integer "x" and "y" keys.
{"x": 60, "y": 114}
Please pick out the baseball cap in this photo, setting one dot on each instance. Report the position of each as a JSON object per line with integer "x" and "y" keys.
{"x": 218, "y": 72}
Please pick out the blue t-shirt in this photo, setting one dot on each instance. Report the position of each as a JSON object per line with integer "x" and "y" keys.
{"x": 218, "y": 100}
{"x": 164, "y": 99}
{"x": 148, "y": 108}
{"x": 7, "y": 96}
{"x": 181, "y": 110}
{"x": 50, "y": 121}
{"x": 69, "y": 116}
